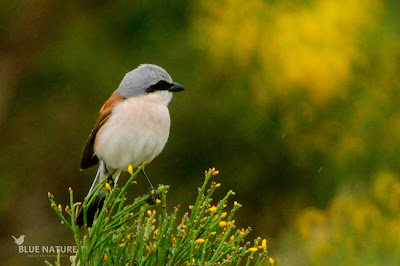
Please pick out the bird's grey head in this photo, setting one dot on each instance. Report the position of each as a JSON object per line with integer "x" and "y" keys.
{"x": 148, "y": 79}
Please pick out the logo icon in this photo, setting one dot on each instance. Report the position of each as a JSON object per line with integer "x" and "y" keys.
{"x": 20, "y": 240}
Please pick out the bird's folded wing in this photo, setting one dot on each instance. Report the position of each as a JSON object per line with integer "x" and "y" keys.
{"x": 89, "y": 158}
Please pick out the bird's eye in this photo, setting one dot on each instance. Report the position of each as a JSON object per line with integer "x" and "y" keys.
{"x": 159, "y": 86}
{"x": 162, "y": 84}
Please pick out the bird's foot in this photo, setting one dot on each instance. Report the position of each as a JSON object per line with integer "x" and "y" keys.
{"x": 152, "y": 196}
{"x": 110, "y": 180}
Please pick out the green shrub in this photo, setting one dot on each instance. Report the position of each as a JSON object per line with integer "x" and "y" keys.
{"x": 134, "y": 233}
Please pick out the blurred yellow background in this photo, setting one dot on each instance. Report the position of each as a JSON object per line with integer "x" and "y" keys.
{"x": 295, "y": 102}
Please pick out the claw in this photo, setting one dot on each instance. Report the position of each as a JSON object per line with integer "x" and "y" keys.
{"x": 153, "y": 196}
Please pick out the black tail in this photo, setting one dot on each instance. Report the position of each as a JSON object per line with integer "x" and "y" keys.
{"x": 97, "y": 204}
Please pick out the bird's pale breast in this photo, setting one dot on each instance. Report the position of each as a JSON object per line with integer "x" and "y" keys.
{"x": 136, "y": 132}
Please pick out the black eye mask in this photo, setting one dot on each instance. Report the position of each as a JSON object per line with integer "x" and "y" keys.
{"x": 163, "y": 85}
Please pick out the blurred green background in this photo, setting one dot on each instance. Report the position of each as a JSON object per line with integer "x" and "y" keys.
{"x": 295, "y": 102}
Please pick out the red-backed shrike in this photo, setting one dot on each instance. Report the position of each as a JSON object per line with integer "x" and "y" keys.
{"x": 133, "y": 125}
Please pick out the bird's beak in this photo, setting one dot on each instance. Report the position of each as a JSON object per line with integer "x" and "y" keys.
{"x": 176, "y": 87}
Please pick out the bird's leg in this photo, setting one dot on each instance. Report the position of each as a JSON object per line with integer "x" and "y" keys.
{"x": 154, "y": 194}
{"x": 148, "y": 180}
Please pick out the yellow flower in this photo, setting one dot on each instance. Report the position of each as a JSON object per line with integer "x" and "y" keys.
{"x": 223, "y": 215}
{"x": 264, "y": 244}
{"x": 59, "y": 207}
{"x": 158, "y": 201}
{"x": 271, "y": 261}
{"x": 232, "y": 239}
{"x": 190, "y": 207}
{"x": 233, "y": 248}
{"x": 108, "y": 187}
{"x": 149, "y": 213}
{"x": 253, "y": 249}
{"x": 212, "y": 209}
{"x": 105, "y": 257}
{"x": 130, "y": 169}
{"x": 213, "y": 233}
{"x": 222, "y": 224}
{"x": 128, "y": 236}
{"x": 218, "y": 185}
{"x": 152, "y": 192}
{"x": 200, "y": 240}
{"x": 212, "y": 171}
{"x": 121, "y": 245}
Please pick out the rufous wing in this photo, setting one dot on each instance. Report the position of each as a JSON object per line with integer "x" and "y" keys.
{"x": 89, "y": 157}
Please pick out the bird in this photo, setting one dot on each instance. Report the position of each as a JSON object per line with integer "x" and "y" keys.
{"x": 132, "y": 128}
{"x": 20, "y": 240}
